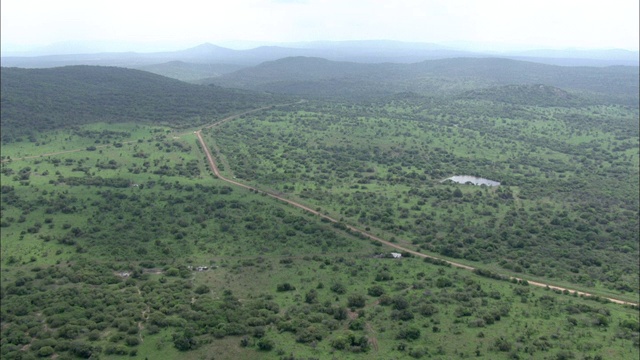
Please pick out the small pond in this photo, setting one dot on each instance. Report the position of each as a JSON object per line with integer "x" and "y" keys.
{"x": 463, "y": 179}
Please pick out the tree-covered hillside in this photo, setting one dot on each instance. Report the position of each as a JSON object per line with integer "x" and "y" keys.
{"x": 534, "y": 95}
{"x": 45, "y": 99}
{"x": 331, "y": 79}
{"x": 190, "y": 72}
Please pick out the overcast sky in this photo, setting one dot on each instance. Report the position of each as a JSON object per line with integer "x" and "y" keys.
{"x": 178, "y": 24}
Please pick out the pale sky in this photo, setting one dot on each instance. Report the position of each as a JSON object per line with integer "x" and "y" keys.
{"x": 173, "y": 25}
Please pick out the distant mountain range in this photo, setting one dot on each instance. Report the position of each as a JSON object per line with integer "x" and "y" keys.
{"x": 372, "y": 51}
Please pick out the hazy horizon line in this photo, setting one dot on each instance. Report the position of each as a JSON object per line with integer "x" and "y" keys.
{"x": 73, "y": 47}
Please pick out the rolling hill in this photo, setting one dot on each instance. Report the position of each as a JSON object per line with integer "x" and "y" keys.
{"x": 325, "y": 78}
{"x": 189, "y": 72}
{"x": 534, "y": 95}
{"x": 40, "y": 99}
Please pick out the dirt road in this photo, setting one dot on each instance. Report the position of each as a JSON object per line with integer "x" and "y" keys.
{"x": 215, "y": 170}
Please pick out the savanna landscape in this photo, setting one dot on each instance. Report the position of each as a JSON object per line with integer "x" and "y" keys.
{"x": 304, "y": 208}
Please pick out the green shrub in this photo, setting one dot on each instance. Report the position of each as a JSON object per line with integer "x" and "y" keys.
{"x": 356, "y": 301}
{"x": 265, "y": 344}
{"x": 375, "y": 290}
{"x": 45, "y": 351}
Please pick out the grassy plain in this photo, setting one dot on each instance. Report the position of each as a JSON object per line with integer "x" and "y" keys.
{"x": 284, "y": 284}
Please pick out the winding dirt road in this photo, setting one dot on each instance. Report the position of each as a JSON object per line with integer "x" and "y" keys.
{"x": 215, "y": 170}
